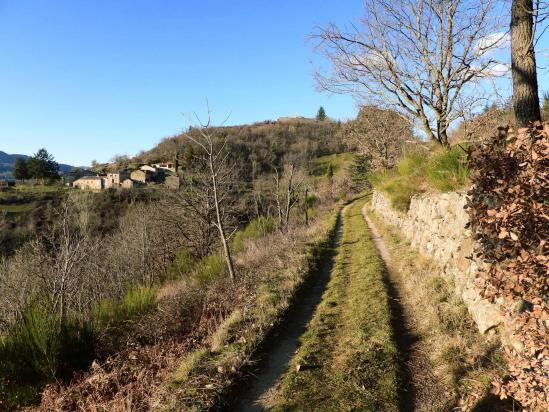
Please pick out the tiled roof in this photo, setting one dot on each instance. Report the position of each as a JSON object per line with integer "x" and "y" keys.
{"x": 91, "y": 178}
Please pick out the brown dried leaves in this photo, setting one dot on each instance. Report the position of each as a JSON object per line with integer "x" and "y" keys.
{"x": 509, "y": 211}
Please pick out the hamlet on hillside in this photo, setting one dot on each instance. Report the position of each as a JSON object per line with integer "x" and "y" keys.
{"x": 155, "y": 174}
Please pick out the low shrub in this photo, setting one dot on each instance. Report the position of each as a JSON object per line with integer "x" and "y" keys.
{"x": 31, "y": 346}
{"x": 259, "y": 228}
{"x": 412, "y": 164}
{"x": 138, "y": 301}
{"x": 448, "y": 170}
{"x": 256, "y": 229}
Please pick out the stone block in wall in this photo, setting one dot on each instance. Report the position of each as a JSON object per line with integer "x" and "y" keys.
{"x": 485, "y": 314}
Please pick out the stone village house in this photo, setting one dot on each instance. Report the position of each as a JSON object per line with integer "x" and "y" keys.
{"x": 170, "y": 166}
{"x": 90, "y": 183}
{"x": 143, "y": 176}
{"x": 114, "y": 180}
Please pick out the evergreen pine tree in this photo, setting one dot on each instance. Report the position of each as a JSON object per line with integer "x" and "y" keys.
{"x": 358, "y": 172}
{"x": 43, "y": 166}
{"x": 20, "y": 169}
{"x": 321, "y": 114}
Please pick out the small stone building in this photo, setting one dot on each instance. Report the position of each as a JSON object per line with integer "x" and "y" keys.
{"x": 114, "y": 180}
{"x": 143, "y": 176}
{"x": 90, "y": 183}
{"x": 129, "y": 184}
{"x": 148, "y": 168}
{"x": 172, "y": 182}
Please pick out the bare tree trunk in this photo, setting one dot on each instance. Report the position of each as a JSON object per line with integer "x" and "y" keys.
{"x": 523, "y": 64}
{"x": 226, "y": 250}
{"x": 215, "y": 159}
{"x": 278, "y": 205}
{"x": 306, "y": 203}
{"x": 289, "y": 194}
{"x": 443, "y": 135}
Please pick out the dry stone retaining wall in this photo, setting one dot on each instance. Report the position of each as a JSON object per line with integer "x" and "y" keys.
{"x": 435, "y": 225}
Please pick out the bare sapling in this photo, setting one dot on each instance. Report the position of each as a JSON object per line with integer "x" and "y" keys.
{"x": 215, "y": 157}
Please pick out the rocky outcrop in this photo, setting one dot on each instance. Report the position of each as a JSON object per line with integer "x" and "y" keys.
{"x": 435, "y": 225}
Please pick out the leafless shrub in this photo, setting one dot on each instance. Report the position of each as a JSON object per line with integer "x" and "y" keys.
{"x": 287, "y": 192}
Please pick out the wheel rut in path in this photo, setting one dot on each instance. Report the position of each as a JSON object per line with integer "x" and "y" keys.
{"x": 421, "y": 389}
{"x": 259, "y": 391}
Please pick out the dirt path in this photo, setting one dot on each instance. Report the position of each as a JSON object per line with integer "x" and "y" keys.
{"x": 422, "y": 390}
{"x": 262, "y": 387}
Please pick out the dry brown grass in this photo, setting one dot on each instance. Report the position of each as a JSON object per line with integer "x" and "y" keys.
{"x": 462, "y": 359}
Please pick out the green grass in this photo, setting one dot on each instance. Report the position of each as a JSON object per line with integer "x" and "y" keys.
{"x": 17, "y": 208}
{"x": 256, "y": 229}
{"x": 183, "y": 263}
{"x": 186, "y": 367}
{"x": 40, "y": 188}
{"x": 338, "y": 161}
{"x": 38, "y": 348}
{"x": 209, "y": 269}
{"x": 440, "y": 170}
{"x": 137, "y": 301}
{"x": 347, "y": 359}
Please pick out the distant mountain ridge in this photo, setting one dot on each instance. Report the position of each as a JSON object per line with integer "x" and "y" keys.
{"x": 8, "y": 160}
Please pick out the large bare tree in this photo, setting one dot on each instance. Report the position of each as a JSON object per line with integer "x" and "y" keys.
{"x": 419, "y": 57}
{"x": 523, "y": 63}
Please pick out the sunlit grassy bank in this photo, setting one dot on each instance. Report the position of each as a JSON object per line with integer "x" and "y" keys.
{"x": 423, "y": 170}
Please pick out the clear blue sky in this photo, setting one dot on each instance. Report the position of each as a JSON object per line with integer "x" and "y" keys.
{"x": 91, "y": 79}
